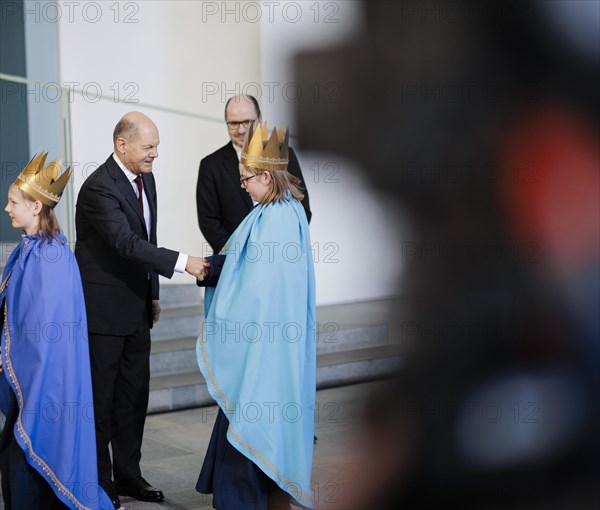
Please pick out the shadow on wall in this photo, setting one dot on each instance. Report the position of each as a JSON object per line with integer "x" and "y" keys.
{"x": 482, "y": 121}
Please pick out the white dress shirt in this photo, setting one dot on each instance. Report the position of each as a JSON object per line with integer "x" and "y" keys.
{"x": 182, "y": 257}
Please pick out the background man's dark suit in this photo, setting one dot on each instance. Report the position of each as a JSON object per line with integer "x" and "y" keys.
{"x": 119, "y": 268}
{"x": 222, "y": 203}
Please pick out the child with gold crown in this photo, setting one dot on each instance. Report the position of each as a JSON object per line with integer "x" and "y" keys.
{"x": 257, "y": 348}
{"x": 48, "y": 446}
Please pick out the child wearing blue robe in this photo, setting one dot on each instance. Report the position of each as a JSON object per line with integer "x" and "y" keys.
{"x": 257, "y": 348}
{"x": 47, "y": 448}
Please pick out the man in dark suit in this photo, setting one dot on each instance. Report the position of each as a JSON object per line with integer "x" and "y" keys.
{"x": 120, "y": 263}
{"x": 222, "y": 203}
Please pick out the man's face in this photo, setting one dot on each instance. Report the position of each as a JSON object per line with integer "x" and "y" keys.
{"x": 239, "y": 111}
{"x": 141, "y": 150}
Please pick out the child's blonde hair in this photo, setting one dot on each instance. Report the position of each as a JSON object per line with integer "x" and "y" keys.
{"x": 48, "y": 224}
{"x": 282, "y": 181}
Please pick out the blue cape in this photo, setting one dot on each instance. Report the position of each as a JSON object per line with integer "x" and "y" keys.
{"x": 257, "y": 349}
{"x": 46, "y": 364}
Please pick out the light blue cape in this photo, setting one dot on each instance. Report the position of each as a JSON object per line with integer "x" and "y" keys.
{"x": 46, "y": 363}
{"x": 257, "y": 348}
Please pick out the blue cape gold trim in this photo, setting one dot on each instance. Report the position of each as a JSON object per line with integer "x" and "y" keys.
{"x": 257, "y": 349}
{"x": 45, "y": 357}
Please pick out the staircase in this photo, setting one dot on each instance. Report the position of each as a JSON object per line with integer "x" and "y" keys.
{"x": 353, "y": 345}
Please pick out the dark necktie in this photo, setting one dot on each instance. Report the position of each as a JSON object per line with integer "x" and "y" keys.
{"x": 138, "y": 181}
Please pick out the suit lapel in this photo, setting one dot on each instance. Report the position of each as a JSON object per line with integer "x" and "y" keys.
{"x": 232, "y": 169}
{"x": 125, "y": 187}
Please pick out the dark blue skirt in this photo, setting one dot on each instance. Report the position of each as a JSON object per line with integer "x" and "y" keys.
{"x": 234, "y": 480}
{"x": 23, "y": 488}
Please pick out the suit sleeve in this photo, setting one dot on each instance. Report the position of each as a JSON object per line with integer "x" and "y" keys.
{"x": 209, "y": 210}
{"x": 294, "y": 169}
{"x": 103, "y": 210}
{"x": 154, "y": 284}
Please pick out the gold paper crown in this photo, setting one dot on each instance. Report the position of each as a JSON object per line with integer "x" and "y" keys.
{"x": 43, "y": 183}
{"x": 272, "y": 156}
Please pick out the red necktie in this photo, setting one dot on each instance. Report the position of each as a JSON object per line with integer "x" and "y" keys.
{"x": 138, "y": 181}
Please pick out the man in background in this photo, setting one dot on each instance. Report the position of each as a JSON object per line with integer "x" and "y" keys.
{"x": 222, "y": 203}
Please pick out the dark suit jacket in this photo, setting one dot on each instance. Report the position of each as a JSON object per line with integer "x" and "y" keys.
{"x": 222, "y": 203}
{"x": 114, "y": 253}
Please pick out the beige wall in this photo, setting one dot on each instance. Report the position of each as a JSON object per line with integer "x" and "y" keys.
{"x": 159, "y": 57}
{"x": 180, "y": 60}
{"x": 355, "y": 240}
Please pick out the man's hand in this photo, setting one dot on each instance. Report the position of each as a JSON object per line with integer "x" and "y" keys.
{"x": 206, "y": 270}
{"x": 155, "y": 310}
{"x": 196, "y": 266}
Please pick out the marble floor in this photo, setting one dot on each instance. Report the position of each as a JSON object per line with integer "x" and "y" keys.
{"x": 174, "y": 445}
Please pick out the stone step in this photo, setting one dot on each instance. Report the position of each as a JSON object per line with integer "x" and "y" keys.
{"x": 179, "y": 355}
{"x": 353, "y": 344}
{"x": 181, "y": 312}
{"x": 333, "y": 337}
{"x": 178, "y": 322}
{"x": 173, "y": 356}
{"x": 357, "y": 365}
{"x": 182, "y": 316}
{"x": 172, "y": 296}
{"x": 188, "y": 389}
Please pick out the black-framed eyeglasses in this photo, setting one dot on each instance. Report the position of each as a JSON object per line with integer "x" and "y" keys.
{"x": 244, "y": 179}
{"x": 233, "y": 125}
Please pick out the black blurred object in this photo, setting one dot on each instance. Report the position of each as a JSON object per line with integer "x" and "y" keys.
{"x": 482, "y": 120}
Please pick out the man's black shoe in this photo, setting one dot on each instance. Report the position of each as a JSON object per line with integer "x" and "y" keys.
{"x": 139, "y": 489}
{"x": 110, "y": 490}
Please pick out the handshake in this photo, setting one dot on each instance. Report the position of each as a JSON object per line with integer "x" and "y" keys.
{"x": 199, "y": 267}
